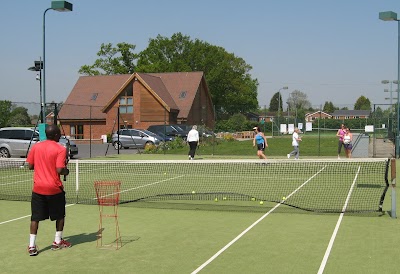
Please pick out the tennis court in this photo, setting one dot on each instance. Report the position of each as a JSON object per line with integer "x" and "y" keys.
{"x": 240, "y": 217}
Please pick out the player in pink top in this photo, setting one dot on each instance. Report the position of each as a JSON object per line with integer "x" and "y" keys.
{"x": 340, "y": 133}
{"x": 47, "y": 159}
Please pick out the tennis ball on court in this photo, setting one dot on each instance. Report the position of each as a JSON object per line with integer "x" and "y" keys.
{"x": 253, "y": 199}
{"x": 283, "y": 198}
{"x": 165, "y": 173}
{"x": 193, "y": 192}
{"x": 216, "y": 199}
{"x": 261, "y": 202}
{"x": 224, "y": 198}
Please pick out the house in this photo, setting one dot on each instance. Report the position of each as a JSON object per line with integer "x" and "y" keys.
{"x": 310, "y": 117}
{"x": 141, "y": 99}
{"x": 350, "y": 114}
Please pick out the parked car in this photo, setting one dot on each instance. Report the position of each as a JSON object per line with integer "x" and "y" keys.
{"x": 135, "y": 138}
{"x": 169, "y": 130}
{"x": 73, "y": 148}
{"x": 15, "y": 142}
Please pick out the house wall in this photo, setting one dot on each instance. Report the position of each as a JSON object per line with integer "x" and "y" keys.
{"x": 201, "y": 112}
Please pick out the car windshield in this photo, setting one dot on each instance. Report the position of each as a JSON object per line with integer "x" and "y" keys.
{"x": 148, "y": 132}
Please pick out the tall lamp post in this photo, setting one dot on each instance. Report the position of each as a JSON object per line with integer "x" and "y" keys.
{"x": 38, "y": 66}
{"x": 392, "y": 16}
{"x": 279, "y": 107}
{"x": 58, "y": 6}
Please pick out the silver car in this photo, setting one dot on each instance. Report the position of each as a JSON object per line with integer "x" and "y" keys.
{"x": 16, "y": 141}
{"x": 135, "y": 138}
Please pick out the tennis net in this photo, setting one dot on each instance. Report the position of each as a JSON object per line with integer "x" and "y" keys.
{"x": 311, "y": 185}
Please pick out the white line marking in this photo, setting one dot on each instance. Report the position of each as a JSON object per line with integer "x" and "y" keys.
{"x": 251, "y": 226}
{"x": 23, "y": 217}
{"x": 335, "y": 231}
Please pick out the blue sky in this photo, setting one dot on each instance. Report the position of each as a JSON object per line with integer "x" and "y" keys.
{"x": 330, "y": 50}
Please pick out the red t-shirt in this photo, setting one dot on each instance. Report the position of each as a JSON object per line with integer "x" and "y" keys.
{"x": 46, "y": 156}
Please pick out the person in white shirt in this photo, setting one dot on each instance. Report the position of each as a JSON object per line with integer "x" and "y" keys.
{"x": 193, "y": 140}
{"x": 295, "y": 143}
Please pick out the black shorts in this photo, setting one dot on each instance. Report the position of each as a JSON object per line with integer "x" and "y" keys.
{"x": 261, "y": 147}
{"x": 45, "y": 206}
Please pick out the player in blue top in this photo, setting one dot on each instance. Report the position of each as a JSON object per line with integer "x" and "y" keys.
{"x": 261, "y": 141}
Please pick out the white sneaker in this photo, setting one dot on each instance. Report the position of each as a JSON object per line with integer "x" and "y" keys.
{"x": 288, "y": 156}
{"x": 338, "y": 157}
{"x": 190, "y": 158}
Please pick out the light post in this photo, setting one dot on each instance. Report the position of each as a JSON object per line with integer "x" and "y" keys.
{"x": 279, "y": 107}
{"x": 58, "y": 6}
{"x": 392, "y": 16}
{"x": 38, "y": 67}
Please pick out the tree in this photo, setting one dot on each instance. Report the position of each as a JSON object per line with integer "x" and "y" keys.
{"x": 114, "y": 60}
{"x": 298, "y": 100}
{"x": 362, "y": 103}
{"x": 5, "y": 112}
{"x": 231, "y": 87}
{"x": 329, "y": 107}
{"x": 19, "y": 117}
{"x": 273, "y": 104}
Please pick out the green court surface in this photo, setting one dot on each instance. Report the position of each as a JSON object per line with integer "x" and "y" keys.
{"x": 208, "y": 240}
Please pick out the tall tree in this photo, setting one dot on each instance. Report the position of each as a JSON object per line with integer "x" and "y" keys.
{"x": 362, "y": 103}
{"x": 329, "y": 107}
{"x": 298, "y": 100}
{"x": 5, "y": 112}
{"x": 19, "y": 117}
{"x": 231, "y": 86}
{"x": 114, "y": 60}
{"x": 275, "y": 101}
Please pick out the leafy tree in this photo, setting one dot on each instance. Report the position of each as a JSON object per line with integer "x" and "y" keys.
{"x": 19, "y": 117}
{"x": 5, "y": 112}
{"x": 329, "y": 107}
{"x": 362, "y": 103}
{"x": 298, "y": 100}
{"x": 273, "y": 104}
{"x": 231, "y": 87}
{"x": 114, "y": 60}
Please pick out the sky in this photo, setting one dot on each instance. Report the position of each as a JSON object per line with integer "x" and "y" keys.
{"x": 330, "y": 50}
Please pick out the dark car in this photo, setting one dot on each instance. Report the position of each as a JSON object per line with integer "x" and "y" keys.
{"x": 168, "y": 130}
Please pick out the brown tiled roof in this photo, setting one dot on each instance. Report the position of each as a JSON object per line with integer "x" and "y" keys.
{"x": 176, "y": 82}
{"x": 167, "y": 86}
{"x": 84, "y": 92}
{"x": 157, "y": 85}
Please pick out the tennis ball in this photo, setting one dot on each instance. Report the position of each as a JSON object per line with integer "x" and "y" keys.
{"x": 165, "y": 173}
{"x": 283, "y": 198}
{"x": 261, "y": 202}
{"x": 253, "y": 199}
{"x": 216, "y": 199}
{"x": 193, "y": 192}
{"x": 21, "y": 166}
{"x": 224, "y": 198}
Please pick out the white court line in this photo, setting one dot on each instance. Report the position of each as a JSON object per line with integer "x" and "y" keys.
{"x": 23, "y": 217}
{"x": 335, "y": 231}
{"x": 251, "y": 226}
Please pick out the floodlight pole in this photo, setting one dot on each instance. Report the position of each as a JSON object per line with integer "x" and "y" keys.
{"x": 279, "y": 107}
{"x": 57, "y": 6}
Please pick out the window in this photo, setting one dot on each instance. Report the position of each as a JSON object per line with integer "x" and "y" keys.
{"x": 94, "y": 96}
{"x": 182, "y": 95}
{"x": 76, "y": 131}
{"x": 126, "y": 104}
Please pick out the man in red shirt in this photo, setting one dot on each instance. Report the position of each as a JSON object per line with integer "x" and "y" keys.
{"x": 47, "y": 159}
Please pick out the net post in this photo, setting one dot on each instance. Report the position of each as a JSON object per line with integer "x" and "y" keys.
{"x": 77, "y": 180}
{"x": 393, "y": 180}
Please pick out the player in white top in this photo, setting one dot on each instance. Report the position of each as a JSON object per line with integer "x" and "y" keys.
{"x": 193, "y": 140}
{"x": 295, "y": 143}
